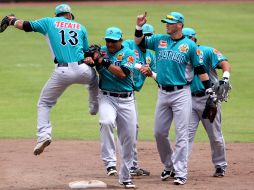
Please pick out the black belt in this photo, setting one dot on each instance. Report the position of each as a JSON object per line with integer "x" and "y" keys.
{"x": 170, "y": 88}
{"x": 66, "y": 64}
{"x": 119, "y": 95}
{"x": 198, "y": 94}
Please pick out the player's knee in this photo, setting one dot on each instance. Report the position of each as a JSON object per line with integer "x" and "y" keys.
{"x": 106, "y": 122}
{"x": 159, "y": 134}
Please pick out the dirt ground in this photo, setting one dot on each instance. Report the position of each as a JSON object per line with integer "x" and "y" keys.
{"x": 67, "y": 161}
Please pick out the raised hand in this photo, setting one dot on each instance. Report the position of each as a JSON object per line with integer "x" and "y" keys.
{"x": 141, "y": 19}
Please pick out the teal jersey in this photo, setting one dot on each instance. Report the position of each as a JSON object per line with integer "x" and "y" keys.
{"x": 175, "y": 60}
{"x": 67, "y": 38}
{"x": 142, "y": 58}
{"x": 110, "y": 82}
{"x": 212, "y": 59}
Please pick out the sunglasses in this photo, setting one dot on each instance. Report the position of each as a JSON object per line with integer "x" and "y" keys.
{"x": 111, "y": 41}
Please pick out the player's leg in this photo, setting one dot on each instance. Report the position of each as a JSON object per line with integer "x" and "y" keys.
{"x": 107, "y": 113}
{"x": 217, "y": 143}
{"x": 194, "y": 121}
{"x": 182, "y": 106}
{"x": 163, "y": 120}
{"x": 51, "y": 91}
{"x": 126, "y": 131}
{"x": 89, "y": 77}
{"x": 135, "y": 170}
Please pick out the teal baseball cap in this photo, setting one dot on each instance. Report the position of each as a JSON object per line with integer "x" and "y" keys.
{"x": 189, "y": 32}
{"x": 147, "y": 29}
{"x": 63, "y": 8}
{"x": 173, "y": 18}
{"x": 113, "y": 33}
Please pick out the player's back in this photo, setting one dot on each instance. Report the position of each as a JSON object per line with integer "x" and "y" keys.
{"x": 68, "y": 39}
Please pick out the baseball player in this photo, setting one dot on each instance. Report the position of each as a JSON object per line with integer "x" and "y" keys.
{"x": 68, "y": 42}
{"x": 213, "y": 60}
{"x": 176, "y": 58}
{"x": 143, "y": 59}
{"x": 116, "y": 102}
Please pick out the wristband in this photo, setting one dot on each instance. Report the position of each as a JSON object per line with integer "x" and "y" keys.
{"x": 226, "y": 74}
{"x": 105, "y": 63}
{"x": 206, "y": 84}
{"x": 15, "y": 23}
{"x": 138, "y": 27}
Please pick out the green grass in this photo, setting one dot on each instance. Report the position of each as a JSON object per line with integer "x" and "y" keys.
{"x": 26, "y": 65}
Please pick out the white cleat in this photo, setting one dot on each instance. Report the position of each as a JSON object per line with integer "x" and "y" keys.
{"x": 40, "y": 146}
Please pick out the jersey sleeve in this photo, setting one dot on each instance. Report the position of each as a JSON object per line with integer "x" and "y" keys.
{"x": 129, "y": 60}
{"x": 216, "y": 57}
{"x": 196, "y": 56}
{"x": 40, "y": 25}
{"x": 153, "y": 63}
{"x": 150, "y": 42}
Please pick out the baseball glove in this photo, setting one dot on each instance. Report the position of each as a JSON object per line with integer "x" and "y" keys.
{"x": 7, "y": 21}
{"x": 210, "y": 110}
{"x": 222, "y": 89}
{"x": 94, "y": 51}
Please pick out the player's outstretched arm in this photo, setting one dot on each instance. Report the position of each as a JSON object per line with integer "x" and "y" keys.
{"x": 141, "y": 20}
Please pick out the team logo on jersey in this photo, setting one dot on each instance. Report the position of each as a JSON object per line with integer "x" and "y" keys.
{"x": 200, "y": 55}
{"x": 136, "y": 53}
{"x": 184, "y": 48}
{"x": 163, "y": 44}
{"x": 199, "y": 52}
{"x": 130, "y": 60}
{"x": 119, "y": 57}
{"x": 216, "y": 51}
{"x": 148, "y": 60}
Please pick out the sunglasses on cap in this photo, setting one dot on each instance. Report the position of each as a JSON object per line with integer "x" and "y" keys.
{"x": 111, "y": 41}
{"x": 170, "y": 17}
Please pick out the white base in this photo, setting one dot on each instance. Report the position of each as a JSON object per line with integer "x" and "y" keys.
{"x": 87, "y": 184}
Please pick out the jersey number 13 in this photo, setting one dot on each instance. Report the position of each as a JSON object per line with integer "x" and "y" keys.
{"x": 73, "y": 40}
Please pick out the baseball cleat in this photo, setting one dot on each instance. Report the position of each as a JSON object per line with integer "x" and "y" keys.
{"x": 40, "y": 146}
{"x": 111, "y": 171}
{"x": 128, "y": 184}
{"x": 179, "y": 181}
{"x": 219, "y": 172}
{"x": 167, "y": 174}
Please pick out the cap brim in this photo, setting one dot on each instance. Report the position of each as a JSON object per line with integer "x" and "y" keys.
{"x": 112, "y": 38}
{"x": 169, "y": 21}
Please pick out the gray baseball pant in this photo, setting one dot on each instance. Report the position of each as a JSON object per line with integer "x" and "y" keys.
{"x": 213, "y": 131}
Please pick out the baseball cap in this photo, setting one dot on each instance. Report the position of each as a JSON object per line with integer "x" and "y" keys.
{"x": 147, "y": 29}
{"x": 173, "y": 18}
{"x": 63, "y": 8}
{"x": 113, "y": 33}
{"x": 189, "y": 32}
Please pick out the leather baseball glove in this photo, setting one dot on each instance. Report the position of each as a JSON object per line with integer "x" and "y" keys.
{"x": 7, "y": 21}
{"x": 210, "y": 110}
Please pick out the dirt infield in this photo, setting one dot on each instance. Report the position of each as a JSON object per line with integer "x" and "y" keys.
{"x": 67, "y": 161}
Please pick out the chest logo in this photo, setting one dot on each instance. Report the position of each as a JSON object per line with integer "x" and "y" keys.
{"x": 119, "y": 57}
{"x": 148, "y": 60}
{"x": 184, "y": 48}
{"x": 163, "y": 44}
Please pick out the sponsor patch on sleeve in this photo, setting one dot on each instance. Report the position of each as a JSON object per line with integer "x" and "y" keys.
{"x": 163, "y": 44}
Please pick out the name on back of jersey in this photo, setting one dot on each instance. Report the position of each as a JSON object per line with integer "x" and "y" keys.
{"x": 68, "y": 25}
